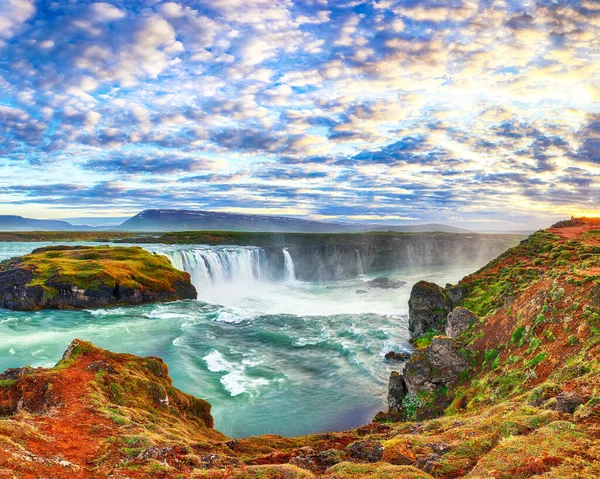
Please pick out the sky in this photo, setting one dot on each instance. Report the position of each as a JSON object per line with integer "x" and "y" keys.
{"x": 484, "y": 114}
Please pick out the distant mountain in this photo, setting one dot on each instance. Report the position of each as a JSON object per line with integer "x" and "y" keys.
{"x": 18, "y": 223}
{"x": 199, "y": 220}
{"x": 420, "y": 228}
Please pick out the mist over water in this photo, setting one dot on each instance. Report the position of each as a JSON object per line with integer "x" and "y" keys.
{"x": 270, "y": 353}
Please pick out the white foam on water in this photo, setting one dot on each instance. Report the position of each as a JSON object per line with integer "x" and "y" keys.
{"x": 236, "y": 381}
{"x": 216, "y": 362}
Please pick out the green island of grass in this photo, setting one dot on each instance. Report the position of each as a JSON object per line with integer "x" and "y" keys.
{"x": 83, "y": 276}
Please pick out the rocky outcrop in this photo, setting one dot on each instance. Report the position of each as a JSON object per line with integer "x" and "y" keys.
{"x": 428, "y": 307}
{"x": 458, "y": 321}
{"x": 90, "y": 277}
{"x": 429, "y": 370}
{"x": 439, "y": 364}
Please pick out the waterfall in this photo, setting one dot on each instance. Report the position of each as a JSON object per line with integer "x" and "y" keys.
{"x": 289, "y": 269}
{"x": 359, "y": 263}
{"x": 215, "y": 266}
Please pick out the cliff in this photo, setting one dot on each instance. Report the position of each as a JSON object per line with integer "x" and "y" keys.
{"x": 88, "y": 277}
{"x": 507, "y": 388}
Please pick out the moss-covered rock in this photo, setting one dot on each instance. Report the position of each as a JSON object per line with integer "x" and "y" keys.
{"x": 90, "y": 277}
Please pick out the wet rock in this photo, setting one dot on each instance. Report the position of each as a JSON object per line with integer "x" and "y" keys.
{"x": 428, "y": 308}
{"x": 386, "y": 283}
{"x": 568, "y": 402}
{"x": 365, "y": 451}
{"x": 394, "y": 356}
{"x": 361, "y": 291}
{"x": 458, "y": 321}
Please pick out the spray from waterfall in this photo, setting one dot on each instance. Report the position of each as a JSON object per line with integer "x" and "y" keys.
{"x": 359, "y": 263}
{"x": 289, "y": 268}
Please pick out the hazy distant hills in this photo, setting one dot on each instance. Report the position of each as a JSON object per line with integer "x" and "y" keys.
{"x": 198, "y": 220}
{"x": 18, "y": 223}
{"x": 167, "y": 220}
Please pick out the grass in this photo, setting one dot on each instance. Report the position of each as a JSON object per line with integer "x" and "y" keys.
{"x": 91, "y": 268}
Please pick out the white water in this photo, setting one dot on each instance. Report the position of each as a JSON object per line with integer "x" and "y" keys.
{"x": 290, "y": 270}
{"x": 359, "y": 263}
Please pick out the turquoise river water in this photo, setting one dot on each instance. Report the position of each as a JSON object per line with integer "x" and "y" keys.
{"x": 283, "y": 357}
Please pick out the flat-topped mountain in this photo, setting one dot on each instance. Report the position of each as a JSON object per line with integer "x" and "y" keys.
{"x": 199, "y": 220}
{"x": 64, "y": 277}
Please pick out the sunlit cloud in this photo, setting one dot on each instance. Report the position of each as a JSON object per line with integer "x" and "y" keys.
{"x": 390, "y": 111}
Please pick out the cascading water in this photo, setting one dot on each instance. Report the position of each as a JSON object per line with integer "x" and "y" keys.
{"x": 216, "y": 266}
{"x": 289, "y": 268}
{"x": 359, "y": 263}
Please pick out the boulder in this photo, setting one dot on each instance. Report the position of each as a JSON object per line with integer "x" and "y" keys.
{"x": 365, "y": 451}
{"x": 386, "y": 283}
{"x": 458, "y": 321}
{"x": 428, "y": 307}
{"x": 394, "y": 356}
{"x": 568, "y": 402}
{"x": 439, "y": 364}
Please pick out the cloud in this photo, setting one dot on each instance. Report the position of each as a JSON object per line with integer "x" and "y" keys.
{"x": 401, "y": 109}
{"x": 13, "y": 14}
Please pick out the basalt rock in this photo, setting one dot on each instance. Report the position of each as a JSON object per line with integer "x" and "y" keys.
{"x": 439, "y": 364}
{"x": 428, "y": 307}
{"x": 431, "y": 370}
{"x": 458, "y": 321}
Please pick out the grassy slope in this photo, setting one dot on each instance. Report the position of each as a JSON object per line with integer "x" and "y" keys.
{"x": 91, "y": 267}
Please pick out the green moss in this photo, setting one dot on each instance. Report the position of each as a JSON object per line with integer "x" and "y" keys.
{"x": 6, "y": 383}
{"x": 425, "y": 340}
{"x": 94, "y": 268}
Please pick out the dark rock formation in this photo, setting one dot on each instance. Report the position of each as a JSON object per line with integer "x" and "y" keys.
{"x": 439, "y": 364}
{"x": 397, "y": 391}
{"x": 365, "y": 451}
{"x": 386, "y": 283}
{"x": 428, "y": 308}
{"x": 458, "y": 321}
{"x": 568, "y": 402}
{"x": 432, "y": 369}
{"x": 394, "y": 356}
